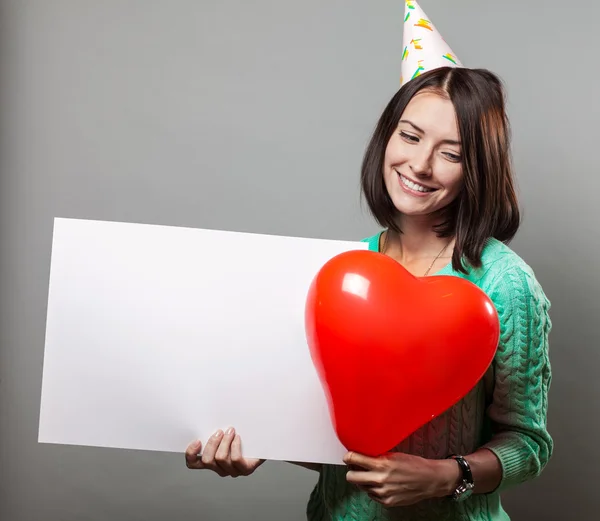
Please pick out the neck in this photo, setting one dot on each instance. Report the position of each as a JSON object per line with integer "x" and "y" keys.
{"x": 418, "y": 240}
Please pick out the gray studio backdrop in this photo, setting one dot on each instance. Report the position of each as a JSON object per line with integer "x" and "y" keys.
{"x": 253, "y": 116}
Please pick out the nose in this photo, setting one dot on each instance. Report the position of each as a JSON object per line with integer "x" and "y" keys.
{"x": 421, "y": 162}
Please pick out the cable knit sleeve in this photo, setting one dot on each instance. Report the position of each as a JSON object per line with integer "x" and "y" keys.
{"x": 519, "y": 405}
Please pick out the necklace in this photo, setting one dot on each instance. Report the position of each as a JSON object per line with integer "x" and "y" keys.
{"x": 385, "y": 243}
{"x": 437, "y": 257}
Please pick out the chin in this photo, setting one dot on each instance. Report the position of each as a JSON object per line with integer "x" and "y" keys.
{"x": 411, "y": 208}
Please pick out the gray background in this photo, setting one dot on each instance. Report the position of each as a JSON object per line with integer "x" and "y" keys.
{"x": 253, "y": 116}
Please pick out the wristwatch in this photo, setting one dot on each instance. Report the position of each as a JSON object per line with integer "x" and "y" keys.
{"x": 466, "y": 486}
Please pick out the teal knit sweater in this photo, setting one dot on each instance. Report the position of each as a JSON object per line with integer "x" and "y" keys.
{"x": 506, "y": 412}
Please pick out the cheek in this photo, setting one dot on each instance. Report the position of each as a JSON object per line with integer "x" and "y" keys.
{"x": 452, "y": 177}
{"x": 395, "y": 153}
{"x": 457, "y": 185}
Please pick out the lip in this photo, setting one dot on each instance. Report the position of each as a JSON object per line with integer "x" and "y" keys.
{"x": 410, "y": 191}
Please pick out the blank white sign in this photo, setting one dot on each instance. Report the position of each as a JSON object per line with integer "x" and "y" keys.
{"x": 160, "y": 335}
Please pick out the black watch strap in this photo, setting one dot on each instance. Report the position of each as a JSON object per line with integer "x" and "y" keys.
{"x": 467, "y": 475}
{"x": 465, "y": 488}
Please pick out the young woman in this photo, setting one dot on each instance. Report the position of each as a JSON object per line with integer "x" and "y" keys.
{"x": 437, "y": 177}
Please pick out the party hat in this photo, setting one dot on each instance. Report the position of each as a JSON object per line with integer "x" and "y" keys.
{"x": 424, "y": 47}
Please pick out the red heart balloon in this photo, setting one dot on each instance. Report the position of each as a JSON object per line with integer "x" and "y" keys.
{"x": 392, "y": 350}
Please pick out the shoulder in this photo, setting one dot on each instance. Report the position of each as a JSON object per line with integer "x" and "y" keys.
{"x": 498, "y": 262}
{"x": 498, "y": 256}
{"x": 510, "y": 281}
{"x": 373, "y": 241}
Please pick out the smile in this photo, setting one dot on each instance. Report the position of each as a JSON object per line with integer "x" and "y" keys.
{"x": 414, "y": 186}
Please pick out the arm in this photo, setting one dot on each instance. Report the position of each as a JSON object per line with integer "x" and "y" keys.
{"x": 485, "y": 467}
{"x": 520, "y": 445}
{"x": 398, "y": 479}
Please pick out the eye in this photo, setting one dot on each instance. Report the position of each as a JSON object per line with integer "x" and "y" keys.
{"x": 409, "y": 137}
{"x": 452, "y": 157}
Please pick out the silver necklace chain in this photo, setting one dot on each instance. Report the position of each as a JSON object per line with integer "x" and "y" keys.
{"x": 385, "y": 244}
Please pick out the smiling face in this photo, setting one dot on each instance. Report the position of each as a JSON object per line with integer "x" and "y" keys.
{"x": 417, "y": 137}
{"x": 422, "y": 167}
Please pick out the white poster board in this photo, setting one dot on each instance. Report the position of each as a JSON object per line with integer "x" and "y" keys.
{"x": 160, "y": 335}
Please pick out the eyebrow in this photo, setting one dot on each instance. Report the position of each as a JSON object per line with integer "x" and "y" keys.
{"x": 447, "y": 141}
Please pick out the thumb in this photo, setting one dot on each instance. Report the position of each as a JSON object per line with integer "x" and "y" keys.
{"x": 192, "y": 453}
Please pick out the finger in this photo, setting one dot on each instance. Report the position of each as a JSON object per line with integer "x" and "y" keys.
{"x": 208, "y": 454}
{"x": 237, "y": 459}
{"x": 364, "y": 479}
{"x": 244, "y": 466}
{"x": 192, "y": 458}
{"x": 354, "y": 459}
{"x": 376, "y": 495}
{"x": 223, "y": 454}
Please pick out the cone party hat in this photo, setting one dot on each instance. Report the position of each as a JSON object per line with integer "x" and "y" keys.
{"x": 424, "y": 47}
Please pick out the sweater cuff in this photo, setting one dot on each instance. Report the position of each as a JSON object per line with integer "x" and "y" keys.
{"x": 509, "y": 453}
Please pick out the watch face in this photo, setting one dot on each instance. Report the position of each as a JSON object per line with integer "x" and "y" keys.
{"x": 464, "y": 491}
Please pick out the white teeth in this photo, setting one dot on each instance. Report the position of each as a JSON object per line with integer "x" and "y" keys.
{"x": 414, "y": 186}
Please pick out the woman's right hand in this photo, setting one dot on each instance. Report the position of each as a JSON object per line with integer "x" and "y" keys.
{"x": 222, "y": 454}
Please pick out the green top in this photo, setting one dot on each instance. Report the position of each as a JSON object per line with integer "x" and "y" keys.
{"x": 505, "y": 412}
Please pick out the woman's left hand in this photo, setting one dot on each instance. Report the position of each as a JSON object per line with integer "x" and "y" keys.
{"x": 398, "y": 479}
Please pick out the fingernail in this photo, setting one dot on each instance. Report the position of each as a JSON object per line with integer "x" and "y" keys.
{"x": 218, "y": 434}
{"x": 230, "y": 431}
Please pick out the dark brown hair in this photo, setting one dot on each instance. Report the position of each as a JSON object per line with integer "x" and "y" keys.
{"x": 487, "y": 204}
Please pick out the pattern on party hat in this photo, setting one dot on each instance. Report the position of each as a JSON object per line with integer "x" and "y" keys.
{"x": 424, "y": 47}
